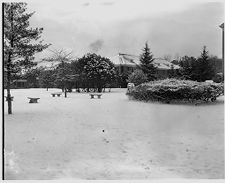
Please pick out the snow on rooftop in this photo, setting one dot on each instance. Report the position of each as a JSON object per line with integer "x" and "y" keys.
{"x": 125, "y": 59}
{"x": 46, "y": 64}
{"x": 164, "y": 64}
{"x": 133, "y": 60}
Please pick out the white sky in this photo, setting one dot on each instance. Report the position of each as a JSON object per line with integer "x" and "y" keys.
{"x": 110, "y": 26}
{"x": 105, "y": 10}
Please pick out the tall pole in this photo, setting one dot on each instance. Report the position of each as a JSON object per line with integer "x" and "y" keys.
{"x": 222, "y": 27}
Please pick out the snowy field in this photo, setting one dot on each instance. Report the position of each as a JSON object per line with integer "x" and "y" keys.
{"x": 63, "y": 138}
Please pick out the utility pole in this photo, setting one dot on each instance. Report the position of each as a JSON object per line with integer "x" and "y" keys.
{"x": 222, "y": 27}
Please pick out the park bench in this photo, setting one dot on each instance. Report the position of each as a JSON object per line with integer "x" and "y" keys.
{"x": 95, "y": 94}
{"x": 58, "y": 94}
{"x": 33, "y": 100}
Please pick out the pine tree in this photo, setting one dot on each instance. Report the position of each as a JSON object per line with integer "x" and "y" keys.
{"x": 188, "y": 68}
{"x": 46, "y": 78}
{"x": 205, "y": 69}
{"x": 147, "y": 66}
{"x": 20, "y": 43}
{"x": 172, "y": 72}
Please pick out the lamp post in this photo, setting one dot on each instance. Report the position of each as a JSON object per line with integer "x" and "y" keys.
{"x": 222, "y": 27}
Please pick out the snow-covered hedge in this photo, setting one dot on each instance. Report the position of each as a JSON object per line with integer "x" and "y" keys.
{"x": 172, "y": 89}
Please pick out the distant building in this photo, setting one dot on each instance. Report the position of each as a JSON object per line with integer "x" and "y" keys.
{"x": 128, "y": 63}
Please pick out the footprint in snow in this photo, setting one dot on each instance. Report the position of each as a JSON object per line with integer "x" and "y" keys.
{"x": 105, "y": 140}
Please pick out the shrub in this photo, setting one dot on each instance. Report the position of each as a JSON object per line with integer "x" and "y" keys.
{"x": 137, "y": 77}
{"x": 218, "y": 78}
{"x": 177, "y": 90}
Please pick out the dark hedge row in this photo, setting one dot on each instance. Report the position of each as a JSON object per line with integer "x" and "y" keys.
{"x": 177, "y": 90}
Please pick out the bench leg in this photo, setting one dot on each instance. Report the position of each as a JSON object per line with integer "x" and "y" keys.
{"x": 32, "y": 101}
{"x": 92, "y": 96}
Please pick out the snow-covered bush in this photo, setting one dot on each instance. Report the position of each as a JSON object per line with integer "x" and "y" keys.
{"x": 172, "y": 89}
{"x": 137, "y": 77}
{"x": 218, "y": 78}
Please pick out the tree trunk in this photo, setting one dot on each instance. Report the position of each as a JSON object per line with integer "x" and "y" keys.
{"x": 9, "y": 66}
{"x": 99, "y": 89}
{"x": 65, "y": 92}
{"x": 9, "y": 100}
{"x": 47, "y": 88}
{"x": 8, "y": 86}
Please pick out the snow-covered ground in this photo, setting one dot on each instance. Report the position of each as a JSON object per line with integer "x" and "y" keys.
{"x": 63, "y": 138}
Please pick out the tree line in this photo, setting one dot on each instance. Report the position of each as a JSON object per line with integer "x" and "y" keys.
{"x": 90, "y": 72}
{"x": 202, "y": 68}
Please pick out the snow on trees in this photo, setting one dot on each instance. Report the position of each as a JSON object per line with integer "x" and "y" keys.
{"x": 21, "y": 42}
{"x": 96, "y": 70}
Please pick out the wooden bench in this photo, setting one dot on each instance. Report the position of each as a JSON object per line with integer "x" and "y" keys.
{"x": 58, "y": 94}
{"x": 95, "y": 94}
{"x": 33, "y": 100}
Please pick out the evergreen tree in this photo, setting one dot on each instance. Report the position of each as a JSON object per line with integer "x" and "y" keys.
{"x": 188, "y": 68}
{"x": 172, "y": 72}
{"x": 204, "y": 68}
{"x": 201, "y": 69}
{"x": 147, "y": 66}
{"x": 46, "y": 78}
{"x": 20, "y": 43}
{"x": 216, "y": 63}
{"x": 32, "y": 77}
{"x": 96, "y": 70}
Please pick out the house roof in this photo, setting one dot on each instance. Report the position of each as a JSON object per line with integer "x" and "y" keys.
{"x": 164, "y": 64}
{"x": 133, "y": 60}
{"x": 125, "y": 59}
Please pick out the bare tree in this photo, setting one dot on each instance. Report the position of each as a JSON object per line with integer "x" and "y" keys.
{"x": 58, "y": 59}
{"x": 177, "y": 57}
{"x": 167, "y": 57}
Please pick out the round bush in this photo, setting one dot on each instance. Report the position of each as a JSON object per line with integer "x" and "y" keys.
{"x": 218, "y": 78}
{"x": 179, "y": 90}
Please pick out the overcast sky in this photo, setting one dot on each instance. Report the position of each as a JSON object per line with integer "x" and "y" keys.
{"x": 108, "y": 27}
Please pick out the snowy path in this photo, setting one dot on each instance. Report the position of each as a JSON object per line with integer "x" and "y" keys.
{"x": 63, "y": 138}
